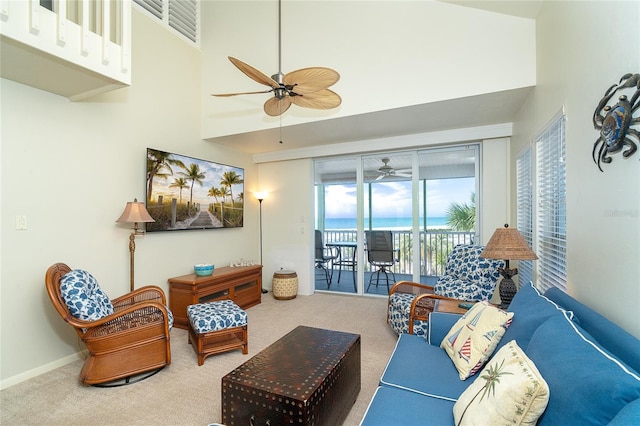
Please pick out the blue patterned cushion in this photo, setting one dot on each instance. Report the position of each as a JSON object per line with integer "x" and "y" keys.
{"x": 469, "y": 276}
{"x": 213, "y": 316}
{"x": 170, "y": 318}
{"x": 83, "y": 296}
{"x": 399, "y": 308}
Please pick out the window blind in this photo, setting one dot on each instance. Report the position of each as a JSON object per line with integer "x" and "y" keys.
{"x": 524, "y": 208}
{"x": 154, "y": 7}
{"x": 551, "y": 230}
{"x": 182, "y": 16}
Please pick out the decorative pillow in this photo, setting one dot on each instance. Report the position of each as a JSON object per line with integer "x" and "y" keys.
{"x": 474, "y": 337}
{"x": 509, "y": 390}
{"x": 83, "y": 296}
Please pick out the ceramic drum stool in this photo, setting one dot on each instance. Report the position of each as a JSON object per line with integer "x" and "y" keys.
{"x": 216, "y": 327}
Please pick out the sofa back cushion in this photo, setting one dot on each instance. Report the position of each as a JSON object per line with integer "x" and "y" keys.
{"x": 588, "y": 386}
{"x": 611, "y": 337}
{"x": 83, "y": 296}
{"x": 530, "y": 310}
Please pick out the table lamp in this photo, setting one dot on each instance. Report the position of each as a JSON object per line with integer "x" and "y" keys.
{"x": 134, "y": 212}
{"x": 507, "y": 244}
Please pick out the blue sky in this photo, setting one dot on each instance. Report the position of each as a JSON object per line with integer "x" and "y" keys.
{"x": 213, "y": 175}
{"x": 393, "y": 199}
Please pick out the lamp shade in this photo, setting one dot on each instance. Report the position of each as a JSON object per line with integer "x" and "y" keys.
{"x": 135, "y": 212}
{"x": 507, "y": 243}
{"x": 260, "y": 195}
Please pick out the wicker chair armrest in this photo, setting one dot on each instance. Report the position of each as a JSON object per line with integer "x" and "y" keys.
{"x": 423, "y": 305}
{"x": 147, "y": 293}
{"x": 128, "y": 317}
{"x": 411, "y": 287}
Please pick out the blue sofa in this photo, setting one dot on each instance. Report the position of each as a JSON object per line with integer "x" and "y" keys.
{"x": 591, "y": 367}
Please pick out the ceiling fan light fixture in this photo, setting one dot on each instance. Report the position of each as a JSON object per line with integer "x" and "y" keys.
{"x": 388, "y": 171}
{"x": 309, "y": 83}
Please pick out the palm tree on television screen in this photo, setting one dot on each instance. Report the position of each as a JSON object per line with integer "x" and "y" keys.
{"x": 193, "y": 174}
{"x": 229, "y": 179}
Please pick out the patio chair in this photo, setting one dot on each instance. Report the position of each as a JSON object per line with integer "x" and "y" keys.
{"x": 381, "y": 255}
{"x": 125, "y": 337}
{"x": 323, "y": 256}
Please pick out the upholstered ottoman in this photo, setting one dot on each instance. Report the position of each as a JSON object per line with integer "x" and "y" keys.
{"x": 217, "y": 327}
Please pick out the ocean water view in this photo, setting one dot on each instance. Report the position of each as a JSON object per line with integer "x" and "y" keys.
{"x": 392, "y": 223}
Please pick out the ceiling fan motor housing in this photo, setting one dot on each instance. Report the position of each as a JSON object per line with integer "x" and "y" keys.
{"x": 280, "y": 92}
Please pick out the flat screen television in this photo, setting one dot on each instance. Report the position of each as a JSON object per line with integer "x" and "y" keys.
{"x": 186, "y": 193}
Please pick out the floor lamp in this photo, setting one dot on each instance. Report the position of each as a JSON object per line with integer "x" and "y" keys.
{"x": 261, "y": 196}
{"x": 134, "y": 212}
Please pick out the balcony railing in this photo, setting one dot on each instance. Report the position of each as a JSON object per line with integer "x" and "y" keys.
{"x": 434, "y": 247}
{"x": 74, "y": 48}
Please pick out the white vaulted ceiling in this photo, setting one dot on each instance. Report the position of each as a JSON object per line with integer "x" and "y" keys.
{"x": 357, "y": 119}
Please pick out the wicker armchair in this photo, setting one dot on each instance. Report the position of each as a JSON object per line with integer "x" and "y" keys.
{"x": 468, "y": 276}
{"x": 409, "y": 306}
{"x": 131, "y": 337}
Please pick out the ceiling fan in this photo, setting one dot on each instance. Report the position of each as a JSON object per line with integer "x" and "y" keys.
{"x": 386, "y": 170}
{"x": 306, "y": 87}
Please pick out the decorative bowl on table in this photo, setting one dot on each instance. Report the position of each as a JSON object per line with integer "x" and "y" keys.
{"x": 203, "y": 269}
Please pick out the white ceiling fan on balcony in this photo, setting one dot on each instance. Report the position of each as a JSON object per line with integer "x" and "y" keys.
{"x": 306, "y": 87}
{"x": 387, "y": 171}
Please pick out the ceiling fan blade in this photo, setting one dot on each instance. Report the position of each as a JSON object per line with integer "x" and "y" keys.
{"x": 274, "y": 106}
{"x": 380, "y": 177}
{"x": 322, "y": 99}
{"x": 241, "y": 93}
{"x": 402, "y": 174}
{"x": 309, "y": 80}
{"x": 253, "y": 73}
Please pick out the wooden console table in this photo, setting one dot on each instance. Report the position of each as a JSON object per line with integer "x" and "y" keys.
{"x": 243, "y": 285}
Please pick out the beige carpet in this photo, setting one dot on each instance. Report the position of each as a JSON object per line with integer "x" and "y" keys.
{"x": 185, "y": 394}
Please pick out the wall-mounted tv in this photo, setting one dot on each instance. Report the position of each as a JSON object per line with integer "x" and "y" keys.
{"x": 186, "y": 193}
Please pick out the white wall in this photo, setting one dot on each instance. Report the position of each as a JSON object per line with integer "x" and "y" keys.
{"x": 71, "y": 168}
{"x": 582, "y": 49}
{"x": 389, "y": 54}
{"x": 288, "y": 220}
{"x": 495, "y": 208}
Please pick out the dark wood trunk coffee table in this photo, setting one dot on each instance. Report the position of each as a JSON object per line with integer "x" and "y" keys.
{"x": 311, "y": 376}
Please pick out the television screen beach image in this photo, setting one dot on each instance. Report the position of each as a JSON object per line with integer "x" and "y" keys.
{"x": 186, "y": 193}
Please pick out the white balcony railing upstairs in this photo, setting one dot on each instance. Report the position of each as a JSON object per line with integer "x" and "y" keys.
{"x": 78, "y": 49}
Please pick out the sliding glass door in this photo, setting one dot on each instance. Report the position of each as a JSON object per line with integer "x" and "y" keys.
{"x": 425, "y": 199}
{"x": 448, "y": 187}
{"x": 388, "y": 206}
{"x": 336, "y": 194}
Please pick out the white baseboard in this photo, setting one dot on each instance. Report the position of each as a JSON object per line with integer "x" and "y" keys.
{"x": 19, "y": 378}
